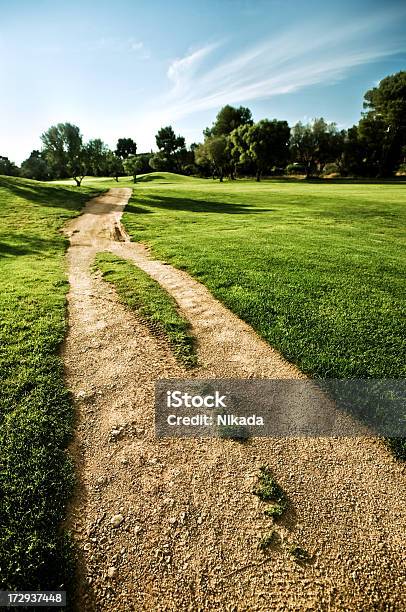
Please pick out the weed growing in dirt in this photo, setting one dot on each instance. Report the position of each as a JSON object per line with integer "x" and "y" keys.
{"x": 276, "y": 510}
{"x": 267, "y": 489}
{"x": 299, "y": 554}
{"x": 266, "y": 541}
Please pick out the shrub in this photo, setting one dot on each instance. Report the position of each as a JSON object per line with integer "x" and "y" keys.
{"x": 295, "y": 169}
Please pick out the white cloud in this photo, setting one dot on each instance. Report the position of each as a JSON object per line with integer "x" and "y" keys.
{"x": 180, "y": 71}
{"x": 316, "y": 52}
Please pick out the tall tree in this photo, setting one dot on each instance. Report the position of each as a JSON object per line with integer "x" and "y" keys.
{"x": 125, "y": 147}
{"x": 228, "y": 119}
{"x": 133, "y": 166}
{"x": 386, "y": 116}
{"x": 316, "y": 143}
{"x": 172, "y": 149}
{"x": 64, "y": 151}
{"x": 238, "y": 148}
{"x": 97, "y": 154}
{"x": 268, "y": 144}
{"x": 114, "y": 165}
{"x": 35, "y": 167}
{"x": 216, "y": 150}
{"x": 8, "y": 167}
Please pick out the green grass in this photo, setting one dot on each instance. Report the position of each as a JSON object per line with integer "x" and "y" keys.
{"x": 36, "y": 415}
{"x": 152, "y": 303}
{"x": 316, "y": 268}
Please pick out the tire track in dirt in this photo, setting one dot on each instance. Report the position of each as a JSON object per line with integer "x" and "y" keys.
{"x": 191, "y": 526}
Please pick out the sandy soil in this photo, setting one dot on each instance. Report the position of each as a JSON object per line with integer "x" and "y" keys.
{"x": 165, "y": 525}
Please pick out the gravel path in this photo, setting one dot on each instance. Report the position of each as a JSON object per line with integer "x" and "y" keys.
{"x": 165, "y": 525}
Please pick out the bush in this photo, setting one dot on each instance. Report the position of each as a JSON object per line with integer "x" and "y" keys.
{"x": 331, "y": 169}
{"x": 295, "y": 169}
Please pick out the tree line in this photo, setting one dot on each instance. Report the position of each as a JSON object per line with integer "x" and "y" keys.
{"x": 237, "y": 146}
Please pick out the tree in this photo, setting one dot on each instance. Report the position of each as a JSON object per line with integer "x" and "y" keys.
{"x": 315, "y": 144}
{"x": 160, "y": 163}
{"x": 144, "y": 158}
{"x": 216, "y": 150}
{"x": 8, "y": 167}
{"x": 385, "y": 121}
{"x": 64, "y": 151}
{"x": 172, "y": 148}
{"x": 267, "y": 144}
{"x": 125, "y": 147}
{"x": 35, "y": 167}
{"x": 97, "y": 154}
{"x": 202, "y": 160}
{"x": 114, "y": 165}
{"x": 228, "y": 119}
{"x": 133, "y": 166}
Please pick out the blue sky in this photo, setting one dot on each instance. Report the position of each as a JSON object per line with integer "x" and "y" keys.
{"x": 125, "y": 68}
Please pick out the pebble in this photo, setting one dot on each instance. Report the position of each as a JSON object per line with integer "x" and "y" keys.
{"x": 111, "y": 572}
{"x": 116, "y": 520}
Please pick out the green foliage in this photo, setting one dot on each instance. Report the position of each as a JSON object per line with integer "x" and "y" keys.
{"x": 295, "y": 168}
{"x": 97, "y": 158}
{"x": 114, "y": 165}
{"x": 159, "y": 162}
{"x": 152, "y": 303}
{"x": 228, "y": 119}
{"x": 216, "y": 151}
{"x": 125, "y": 148}
{"x": 35, "y": 167}
{"x": 331, "y": 168}
{"x": 268, "y": 144}
{"x": 64, "y": 151}
{"x": 276, "y": 510}
{"x": 133, "y": 166}
{"x": 36, "y": 415}
{"x": 316, "y": 144}
{"x": 7, "y": 167}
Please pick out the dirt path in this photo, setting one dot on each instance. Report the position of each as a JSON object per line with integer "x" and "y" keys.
{"x": 191, "y": 526}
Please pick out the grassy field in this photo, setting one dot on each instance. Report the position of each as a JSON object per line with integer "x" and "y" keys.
{"x": 151, "y": 303}
{"x": 36, "y": 414}
{"x": 316, "y": 268}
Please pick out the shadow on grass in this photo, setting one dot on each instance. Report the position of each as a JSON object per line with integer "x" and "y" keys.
{"x": 314, "y": 180}
{"x": 27, "y": 245}
{"x": 148, "y": 178}
{"x": 50, "y": 195}
{"x": 194, "y": 205}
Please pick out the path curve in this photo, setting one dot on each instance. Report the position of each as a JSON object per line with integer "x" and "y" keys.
{"x": 190, "y": 530}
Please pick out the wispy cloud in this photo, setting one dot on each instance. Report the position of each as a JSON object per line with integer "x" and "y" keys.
{"x": 292, "y": 60}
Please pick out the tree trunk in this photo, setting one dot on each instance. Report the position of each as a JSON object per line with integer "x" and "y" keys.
{"x": 78, "y": 181}
{"x": 221, "y": 175}
{"x": 116, "y": 179}
{"x": 258, "y": 176}
{"x": 134, "y": 178}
